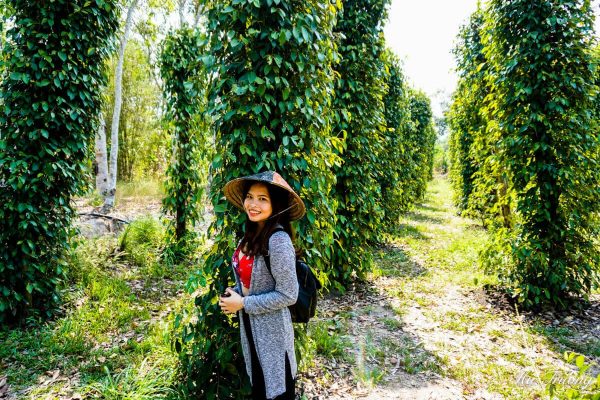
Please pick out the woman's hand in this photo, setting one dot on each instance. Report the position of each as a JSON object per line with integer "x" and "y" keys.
{"x": 231, "y": 302}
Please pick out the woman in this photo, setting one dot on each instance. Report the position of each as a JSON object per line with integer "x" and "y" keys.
{"x": 261, "y": 296}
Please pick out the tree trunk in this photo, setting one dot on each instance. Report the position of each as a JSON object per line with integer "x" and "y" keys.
{"x": 182, "y": 4}
{"x": 198, "y": 11}
{"x": 109, "y": 199}
{"x": 101, "y": 158}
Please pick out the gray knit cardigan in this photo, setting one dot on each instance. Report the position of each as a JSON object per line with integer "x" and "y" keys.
{"x": 267, "y": 307}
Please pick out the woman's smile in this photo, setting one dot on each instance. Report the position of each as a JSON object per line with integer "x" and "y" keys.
{"x": 258, "y": 203}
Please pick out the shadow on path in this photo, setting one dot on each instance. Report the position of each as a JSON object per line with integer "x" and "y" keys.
{"x": 383, "y": 360}
{"x": 574, "y": 329}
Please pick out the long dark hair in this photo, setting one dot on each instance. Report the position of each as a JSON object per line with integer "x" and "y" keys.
{"x": 255, "y": 242}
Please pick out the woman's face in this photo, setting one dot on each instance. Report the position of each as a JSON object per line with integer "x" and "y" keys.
{"x": 258, "y": 203}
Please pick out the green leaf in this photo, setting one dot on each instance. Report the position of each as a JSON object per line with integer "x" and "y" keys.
{"x": 220, "y": 208}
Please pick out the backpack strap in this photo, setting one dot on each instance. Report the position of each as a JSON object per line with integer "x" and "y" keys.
{"x": 267, "y": 256}
{"x": 268, "y": 262}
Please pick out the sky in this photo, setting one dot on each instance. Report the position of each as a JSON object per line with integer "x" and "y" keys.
{"x": 422, "y": 33}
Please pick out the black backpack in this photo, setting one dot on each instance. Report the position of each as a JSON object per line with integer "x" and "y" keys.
{"x": 306, "y": 305}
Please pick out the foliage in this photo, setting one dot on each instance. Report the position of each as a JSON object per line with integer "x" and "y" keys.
{"x": 50, "y": 91}
{"x": 480, "y": 181}
{"x": 584, "y": 387}
{"x": 114, "y": 331}
{"x": 360, "y": 123}
{"x": 183, "y": 76}
{"x": 142, "y": 232}
{"x": 465, "y": 117}
{"x": 422, "y": 141}
{"x": 5, "y": 14}
{"x": 142, "y": 243}
{"x": 542, "y": 91}
{"x": 397, "y": 149}
{"x": 596, "y": 61}
{"x": 440, "y": 158}
{"x": 142, "y": 139}
{"x": 270, "y": 103}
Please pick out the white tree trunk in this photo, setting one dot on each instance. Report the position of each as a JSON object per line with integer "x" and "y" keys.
{"x": 101, "y": 158}
{"x": 109, "y": 199}
{"x": 181, "y": 7}
{"x": 198, "y": 10}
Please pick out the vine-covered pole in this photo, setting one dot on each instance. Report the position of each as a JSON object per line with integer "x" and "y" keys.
{"x": 271, "y": 108}
{"x": 184, "y": 80}
{"x": 542, "y": 101}
{"x": 50, "y": 92}
{"x": 360, "y": 125}
{"x": 397, "y": 154}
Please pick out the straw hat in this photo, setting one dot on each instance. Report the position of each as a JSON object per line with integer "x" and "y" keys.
{"x": 234, "y": 191}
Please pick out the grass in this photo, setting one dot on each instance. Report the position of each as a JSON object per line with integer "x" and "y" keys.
{"x": 370, "y": 363}
{"x": 113, "y": 339}
{"x": 435, "y": 252}
{"x": 147, "y": 188}
{"x": 565, "y": 339}
{"x": 330, "y": 338}
{"x": 135, "y": 192}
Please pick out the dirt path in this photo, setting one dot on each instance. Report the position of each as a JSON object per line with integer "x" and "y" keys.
{"x": 425, "y": 328}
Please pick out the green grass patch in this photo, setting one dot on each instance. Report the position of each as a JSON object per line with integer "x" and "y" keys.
{"x": 566, "y": 339}
{"x": 115, "y": 331}
{"x": 145, "y": 188}
{"x": 391, "y": 324}
{"x": 330, "y": 338}
{"x": 369, "y": 368}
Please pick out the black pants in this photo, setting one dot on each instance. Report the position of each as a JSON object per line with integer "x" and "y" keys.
{"x": 258, "y": 378}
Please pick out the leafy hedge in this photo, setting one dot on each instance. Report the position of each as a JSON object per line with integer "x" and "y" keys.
{"x": 534, "y": 149}
{"x": 543, "y": 88}
{"x": 50, "y": 91}
{"x": 360, "y": 123}
{"x": 422, "y": 141}
{"x": 465, "y": 115}
{"x": 397, "y": 149}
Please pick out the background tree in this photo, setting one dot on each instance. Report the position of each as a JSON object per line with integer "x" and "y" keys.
{"x": 422, "y": 142}
{"x": 109, "y": 194}
{"x": 184, "y": 79}
{"x": 100, "y": 157}
{"x": 396, "y": 147}
{"x": 360, "y": 124}
{"x": 142, "y": 137}
{"x": 47, "y": 123}
{"x": 270, "y": 103}
{"x": 465, "y": 118}
{"x": 542, "y": 83}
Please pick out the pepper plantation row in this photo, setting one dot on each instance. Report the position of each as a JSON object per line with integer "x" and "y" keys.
{"x": 524, "y": 145}
{"x": 306, "y": 88}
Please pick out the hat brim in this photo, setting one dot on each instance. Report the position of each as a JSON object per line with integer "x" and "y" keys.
{"x": 234, "y": 192}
